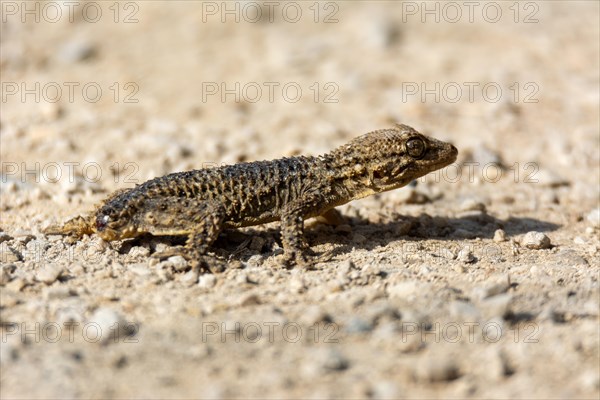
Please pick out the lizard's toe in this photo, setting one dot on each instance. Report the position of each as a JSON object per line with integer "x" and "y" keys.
{"x": 298, "y": 257}
{"x": 174, "y": 251}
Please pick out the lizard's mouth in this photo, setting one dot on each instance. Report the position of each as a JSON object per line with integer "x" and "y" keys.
{"x": 443, "y": 156}
{"x": 109, "y": 231}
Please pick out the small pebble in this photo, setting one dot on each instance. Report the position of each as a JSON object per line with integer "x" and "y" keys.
{"x": 459, "y": 268}
{"x": 255, "y": 261}
{"x": 499, "y": 236}
{"x": 590, "y": 380}
{"x": 178, "y": 263}
{"x": 110, "y": 325}
{"x": 435, "y": 369}
{"x": 257, "y": 243}
{"x": 358, "y": 325}
{"x": 250, "y": 300}
{"x": 66, "y": 315}
{"x": 314, "y": 314}
{"x": 241, "y": 278}
{"x": 8, "y": 254}
{"x": 345, "y": 267}
{"x": 4, "y": 237}
{"x": 386, "y": 390}
{"x": 139, "y": 251}
{"x": 50, "y": 112}
{"x": 466, "y": 256}
{"x": 57, "y": 292}
{"x": 333, "y": 360}
{"x": 491, "y": 289}
{"x": 536, "y": 240}
{"x": 23, "y": 235}
{"x": 496, "y": 306}
{"x": 49, "y": 274}
{"x": 16, "y": 285}
{"x": 464, "y": 310}
{"x": 5, "y": 274}
{"x": 410, "y": 343}
{"x": 160, "y": 247}
{"x": 552, "y": 314}
{"x": 190, "y": 278}
{"x": 297, "y": 285}
{"x": 76, "y": 50}
{"x": 381, "y": 311}
{"x": 371, "y": 270}
{"x": 358, "y": 238}
{"x": 424, "y": 270}
{"x": 447, "y": 254}
{"x": 164, "y": 275}
{"x": 388, "y": 331}
{"x": 207, "y": 281}
{"x": 139, "y": 270}
{"x": 594, "y": 218}
{"x": 404, "y": 289}
{"x": 235, "y": 264}
{"x": 472, "y": 205}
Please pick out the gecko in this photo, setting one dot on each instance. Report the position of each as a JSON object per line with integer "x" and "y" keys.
{"x": 202, "y": 203}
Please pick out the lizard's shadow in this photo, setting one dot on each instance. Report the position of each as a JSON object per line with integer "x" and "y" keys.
{"x": 366, "y": 235}
{"x": 243, "y": 244}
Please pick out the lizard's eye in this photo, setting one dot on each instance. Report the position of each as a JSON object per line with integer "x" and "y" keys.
{"x": 101, "y": 222}
{"x": 415, "y": 148}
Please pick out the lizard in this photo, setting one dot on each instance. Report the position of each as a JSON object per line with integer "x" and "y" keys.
{"x": 201, "y": 203}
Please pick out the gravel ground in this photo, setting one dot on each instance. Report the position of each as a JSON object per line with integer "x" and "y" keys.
{"x": 480, "y": 281}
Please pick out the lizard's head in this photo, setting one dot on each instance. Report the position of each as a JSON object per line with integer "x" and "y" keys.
{"x": 391, "y": 158}
{"x": 112, "y": 220}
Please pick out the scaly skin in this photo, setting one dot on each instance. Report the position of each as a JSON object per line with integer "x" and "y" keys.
{"x": 201, "y": 203}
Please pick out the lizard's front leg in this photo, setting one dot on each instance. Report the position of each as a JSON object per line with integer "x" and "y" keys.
{"x": 205, "y": 220}
{"x": 74, "y": 228}
{"x": 296, "y": 250}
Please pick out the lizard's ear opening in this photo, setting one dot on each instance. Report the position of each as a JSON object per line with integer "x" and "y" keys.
{"x": 378, "y": 174}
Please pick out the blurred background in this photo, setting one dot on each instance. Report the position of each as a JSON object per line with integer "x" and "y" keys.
{"x": 170, "y": 86}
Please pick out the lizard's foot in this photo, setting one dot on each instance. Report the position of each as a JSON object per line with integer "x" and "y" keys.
{"x": 300, "y": 257}
{"x": 196, "y": 260}
{"x": 323, "y": 257}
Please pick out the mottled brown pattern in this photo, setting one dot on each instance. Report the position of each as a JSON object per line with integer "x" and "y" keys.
{"x": 201, "y": 203}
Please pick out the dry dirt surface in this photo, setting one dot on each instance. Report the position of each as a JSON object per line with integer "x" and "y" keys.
{"x": 480, "y": 281}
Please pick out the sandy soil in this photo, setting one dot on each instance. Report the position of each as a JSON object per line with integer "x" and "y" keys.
{"x": 481, "y": 281}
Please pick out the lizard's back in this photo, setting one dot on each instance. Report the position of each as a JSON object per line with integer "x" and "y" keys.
{"x": 249, "y": 193}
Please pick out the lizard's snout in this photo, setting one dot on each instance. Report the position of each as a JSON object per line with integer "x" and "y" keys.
{"x": 453, "y": 152}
